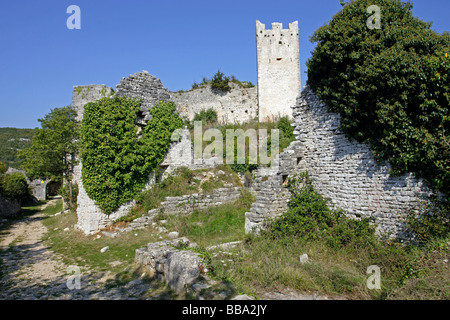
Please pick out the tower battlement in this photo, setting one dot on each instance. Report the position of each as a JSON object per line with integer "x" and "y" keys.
{"x": 278, "y": 61}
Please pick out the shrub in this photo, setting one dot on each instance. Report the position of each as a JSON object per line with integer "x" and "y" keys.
{"x": 14, "y": 186}
{"x": 65, "y": 193}
{"x": 220, "y": 82}
{"x": 310, "y": 218}
{"x": 432, "y": 223}
{"x": 389, "y": 85}
{"x": 208, "y": 116}
{"x": 3, "y": 168}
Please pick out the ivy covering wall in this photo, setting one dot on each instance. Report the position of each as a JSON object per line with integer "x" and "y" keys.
{"x": 390, "y": 85}
{"x": 118, "y": 159}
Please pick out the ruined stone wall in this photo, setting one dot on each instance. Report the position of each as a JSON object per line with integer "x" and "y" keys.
{"x": 145, "y": 87}
{"x": 140, "y": 85}
{"x": 237, "y": 106}
{"x": 90, "y": 217}
{"x": 346, "y": 171}
{"x": 8, "y": 208}
{"x": 38, "y": 186}
{"x": 269, "y": 186}
{"x": 341, "y": 170}
{"x": 278, "y": 61}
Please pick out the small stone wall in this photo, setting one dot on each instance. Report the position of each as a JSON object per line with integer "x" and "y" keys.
{"x": 188, "y": 203}
{"x": 9, "y": 208}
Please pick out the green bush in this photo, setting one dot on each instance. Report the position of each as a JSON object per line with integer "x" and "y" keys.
{"x": 432, "y": 223}
{"x": 310, "y": 218}
{"x": 14, "y": 186}
{"x": 3, "y": 168}
{"x": 220, "y": 82}
{"x": 208, "y": 116}
{"x": 65, "y": 193}
{"x": 390, "y": 86}
{"x": 116, "y": 161}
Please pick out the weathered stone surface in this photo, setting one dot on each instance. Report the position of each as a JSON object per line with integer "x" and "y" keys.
{"x": 237, "y": 106}
{"x": 146, "y": 87}
{"x": 346, "y": 171}
{"x": 178, "y": 268}
{"x": 278, "y": 61}
{"x": 8, "y": 208}
{"x": 182, "y": 269}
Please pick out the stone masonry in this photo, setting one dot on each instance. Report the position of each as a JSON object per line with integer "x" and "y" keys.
{"x": 278, "y": 61}
{"x": 240, "y": 105}
{"x": 341, "y": 170}
{"x": 347, "y": 172}
{"x": 90, "y": 217}
{"x": 272, "y": 197}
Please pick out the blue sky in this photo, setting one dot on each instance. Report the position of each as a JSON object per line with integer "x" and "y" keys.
{"x": 177, "y": 41}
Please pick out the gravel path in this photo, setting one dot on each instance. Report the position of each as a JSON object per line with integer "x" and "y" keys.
{"x": 29, "y": 270}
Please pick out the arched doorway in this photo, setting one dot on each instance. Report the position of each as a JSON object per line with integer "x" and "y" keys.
{"x": 52, "y": 188}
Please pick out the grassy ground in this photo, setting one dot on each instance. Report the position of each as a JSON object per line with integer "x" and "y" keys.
{"x": 263, "y": 264}
{"x": 77, "y": 248}
{"x": 215, "y": 225}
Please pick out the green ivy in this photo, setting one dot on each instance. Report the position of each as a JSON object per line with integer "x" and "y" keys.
{"x": 116, "y": 160}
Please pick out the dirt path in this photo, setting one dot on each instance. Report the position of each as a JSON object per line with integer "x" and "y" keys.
{"x": 30, "y": 270}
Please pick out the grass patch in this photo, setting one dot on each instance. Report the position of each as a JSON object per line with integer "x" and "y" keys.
{"x": 79, "y": 249}
{"x": 224, "y": 223}
{"x": 182, "y": 182}
{"x": 340, "y": 251}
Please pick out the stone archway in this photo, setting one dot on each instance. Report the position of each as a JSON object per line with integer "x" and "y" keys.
{"x": 52, "y": 188}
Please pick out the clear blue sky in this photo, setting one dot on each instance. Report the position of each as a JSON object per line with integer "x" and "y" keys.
{"x": 178, "y": 41}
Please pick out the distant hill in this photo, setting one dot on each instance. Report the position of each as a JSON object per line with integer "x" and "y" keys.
{"x": 11, "y": 140}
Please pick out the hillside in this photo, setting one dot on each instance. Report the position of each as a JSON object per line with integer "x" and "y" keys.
{"x": 11, "y": 140}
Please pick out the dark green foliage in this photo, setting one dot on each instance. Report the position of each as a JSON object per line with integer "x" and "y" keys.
{"x": 11, "y": 141}
{"x": 3, "y": 168}
{"x": 14, "y": 186}
{"x": 50, "y": 151}
{"x": 220, "y": 82}
{"x": 391, "y": 86}
{"x": 206, "y": 116}
{"x": 69, "y": 196}
{"x": 286, "y": 132}
{"x": 432, "y": 223}
{"x": 310, "y": 218}
{"x": 116, "y": 161}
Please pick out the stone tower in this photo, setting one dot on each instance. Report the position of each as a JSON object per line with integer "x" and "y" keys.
{"x": 278, "y": 60}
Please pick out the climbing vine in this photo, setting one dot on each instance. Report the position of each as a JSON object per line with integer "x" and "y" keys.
{"x": 117, "y": 159}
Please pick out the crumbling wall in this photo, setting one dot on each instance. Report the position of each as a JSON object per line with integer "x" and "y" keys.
{"x": 240, "y": 105}
{"x": 346, "y": 171}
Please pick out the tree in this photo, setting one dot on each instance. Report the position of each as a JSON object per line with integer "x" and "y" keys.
{"x": 52, "y": 149}
{"x": 390, "y": 86}
{"x": 220, "y": 82}
{"x": 14, "y": 186}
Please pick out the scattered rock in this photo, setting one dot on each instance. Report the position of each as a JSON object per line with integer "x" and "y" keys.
{"x": 182, "y": 269}
{"x": 109, "y": 234}
{"x": 304, "y": 258}
{"x": 66, "y": 229}
{"x": 173, "y": 235}
{"x": 115, "y": 263}
{"x": 104, "y": 249}
{"x": 243, "y": 297}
